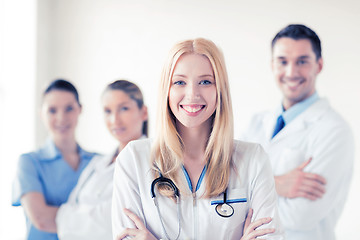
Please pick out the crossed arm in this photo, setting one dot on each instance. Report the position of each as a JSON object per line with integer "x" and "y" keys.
{"x": 298, "y": 183}
{"x": 141, "y": 233}
{"x": 41, "y": 215}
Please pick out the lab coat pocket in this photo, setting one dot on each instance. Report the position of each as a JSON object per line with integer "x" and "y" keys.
{"x": 289, "y": 159}
{"x": 238, "y": 200}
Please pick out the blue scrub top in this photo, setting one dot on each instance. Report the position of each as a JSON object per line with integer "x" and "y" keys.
{"x": 45, "y": 171}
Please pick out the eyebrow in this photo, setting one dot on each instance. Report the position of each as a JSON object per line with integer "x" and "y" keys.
{"x": 301, "y": 57}
{"x": 204, "y": 75}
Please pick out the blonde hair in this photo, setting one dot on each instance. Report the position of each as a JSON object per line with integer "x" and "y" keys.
{"x": 167, "y": 151}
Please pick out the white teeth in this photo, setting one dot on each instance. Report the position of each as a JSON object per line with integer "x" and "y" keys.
{"x": 293, "y": 84}
{"x": 192, "y": 109}
{"x": 118, "y": 130}
{"x": 62, "y": 128}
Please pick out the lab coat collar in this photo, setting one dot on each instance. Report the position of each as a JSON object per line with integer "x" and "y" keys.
{"x": 312, "y": 114}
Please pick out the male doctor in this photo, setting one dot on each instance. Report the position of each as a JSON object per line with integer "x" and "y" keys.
{"x": 310, "y": 145}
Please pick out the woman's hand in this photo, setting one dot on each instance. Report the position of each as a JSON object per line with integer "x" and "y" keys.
{"x": 251, "y": 232}
{"x": 138, "y": 233}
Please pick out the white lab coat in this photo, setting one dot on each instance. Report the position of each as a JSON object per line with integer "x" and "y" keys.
{"x": 253, "y": 181}
{"x": 319, "y": 132}
{"x": 87, "y": 213}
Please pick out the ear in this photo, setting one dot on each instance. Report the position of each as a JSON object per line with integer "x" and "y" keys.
{"x": 320, "y": 64}
{"x": 272, "y": 64}
{"x": 80, "y": 108}
{"x": 144, "y": 113}
{"x": 41, "y": 113}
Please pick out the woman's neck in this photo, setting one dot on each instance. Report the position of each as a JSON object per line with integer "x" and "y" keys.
{"x": 69, "y": 151}
{"x": 195, "y": 141}
{"x": 67, "y": 146}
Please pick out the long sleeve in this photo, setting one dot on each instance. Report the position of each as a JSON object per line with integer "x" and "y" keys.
{"x": 333, "y": 159}
{"x": 264, "y": 198}
{"x": 125, "y": 191}
{"x": 84, "y": 221}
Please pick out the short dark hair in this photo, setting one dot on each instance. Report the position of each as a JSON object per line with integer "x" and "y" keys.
{"x": 62, "y": 85}
{"x": 297, "y": 32}
{"x": 134, "y": 92}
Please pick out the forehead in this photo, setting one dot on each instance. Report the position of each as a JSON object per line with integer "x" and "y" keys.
{"x": 56, "y": 97}
{"x": 193, "y": 63}
{"x": 291, "y": 48}
{"x": 115, "y": 97}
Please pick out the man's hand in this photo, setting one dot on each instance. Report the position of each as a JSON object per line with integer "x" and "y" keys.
{"x": 298, "y": 183}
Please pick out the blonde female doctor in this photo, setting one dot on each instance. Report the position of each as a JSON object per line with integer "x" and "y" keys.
{"x": 87, "y": 213}
{"x": 194, "y": 181}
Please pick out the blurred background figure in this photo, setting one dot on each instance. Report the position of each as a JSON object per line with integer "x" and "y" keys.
{"x": 45, "y": 178}
{"x": 310, "y": 145}
{"x": 87, "y": 214}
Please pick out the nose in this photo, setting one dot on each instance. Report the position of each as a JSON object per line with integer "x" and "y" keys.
{"x": 115, "y": 118}
{"x": 291, "y": 71}
{"x": 192, "y": 91}
{"x": 60, "y": 116}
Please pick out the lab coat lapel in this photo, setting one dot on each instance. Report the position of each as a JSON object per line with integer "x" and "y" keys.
{"x": 269, "y": 122}
{"x": 313, "y": 113}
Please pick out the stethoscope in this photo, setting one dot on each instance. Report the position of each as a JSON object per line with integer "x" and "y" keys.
{"x": 223, "y": 209}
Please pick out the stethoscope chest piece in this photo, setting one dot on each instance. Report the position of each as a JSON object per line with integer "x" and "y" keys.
{"x": 224, "y": 210}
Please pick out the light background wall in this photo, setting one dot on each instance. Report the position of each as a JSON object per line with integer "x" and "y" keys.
{"x": 93, "y": 42}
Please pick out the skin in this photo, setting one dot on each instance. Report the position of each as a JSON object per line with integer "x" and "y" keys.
{"x": 295, "y": 69}
{"x": 59, "y": 112}
{"x": 192, "y": 99}
{"x": 123, "y": 118}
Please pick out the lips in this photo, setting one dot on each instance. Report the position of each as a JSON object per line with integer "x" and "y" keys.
{"x": 117, "y": 131}
{"x": 62, "y": 128}
{"x": 193, "y": 108}
{"x": 293, "y": 83}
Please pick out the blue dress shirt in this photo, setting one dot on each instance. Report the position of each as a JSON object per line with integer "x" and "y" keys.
{"x": 298, "y": 108}
{"x": 45, "y": 171}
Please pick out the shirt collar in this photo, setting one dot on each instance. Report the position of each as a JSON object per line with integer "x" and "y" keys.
{"x": 51, "y": 152}
{"x": 298, "y": 108}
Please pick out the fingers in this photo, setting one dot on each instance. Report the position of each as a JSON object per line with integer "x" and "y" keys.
{"x": 127, "y": 232}
{"x": 259, "y": 223}
{"x": 304, "y": 164}
{"x": 137, "y": 221}
{"x": 313, "y": 186}
{"x": 260, "y": 233}
{"x": 251, "y": 232}
{"x": 315, "y": 177}
{"x": 248, "y": 218}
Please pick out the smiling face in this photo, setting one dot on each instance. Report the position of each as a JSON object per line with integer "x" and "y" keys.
{"x": 60, "y": 112}
{"x": 295, "y": 68}
{"x": 123, "y": 118}
{"x": 192, "y": 94}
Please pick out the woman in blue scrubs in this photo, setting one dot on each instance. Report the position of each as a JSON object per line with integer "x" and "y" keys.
{"x": 45, "y": 178}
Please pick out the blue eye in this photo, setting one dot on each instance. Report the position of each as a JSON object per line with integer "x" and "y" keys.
{"x": 107, "y": 111}
{"x": 205, "y": 82}
{"x": 301, "y": 62}
{"x": 123, "y": 109}
{"x": 52, "y": 110}
{"x": 69, "y": 108}
{"x": 283, "y": 62}
{"x": 180, "y": 82}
